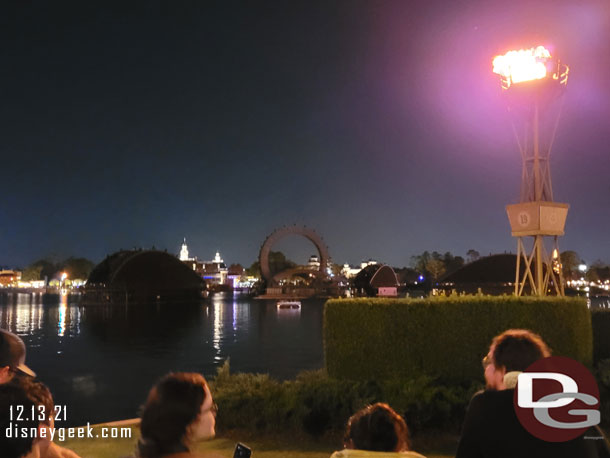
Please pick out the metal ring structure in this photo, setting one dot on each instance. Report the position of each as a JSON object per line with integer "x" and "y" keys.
{"x": 278, "y": 234}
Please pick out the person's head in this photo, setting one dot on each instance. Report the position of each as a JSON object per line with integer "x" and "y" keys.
{"x": 178, "y": 411}
{"x": 13, "y": 398}
{"x": 38, "y": 393}
{"x": 12, "y": 357}
{"x": 377, "y": 428}
{"x": 513, "y": 350}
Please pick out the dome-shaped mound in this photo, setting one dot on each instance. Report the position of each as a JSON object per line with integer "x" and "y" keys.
{"x": 498, "y": 268}
{"x": 493, "y": 274}
{"x": 142, "y": 276}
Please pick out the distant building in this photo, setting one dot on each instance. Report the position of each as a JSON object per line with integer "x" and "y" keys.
{"x": 350, "y": 272}
{"x": 234, "y": 275}
{"x": 193, "y": 263}
{"x": 184, "y": 252}
{"x": 215, "y": 272}
{"x": 314, "y": 262}
{"x": 41, "y": 284}
{"x": 9, "y": 277}
{"x": 385, "y": 282}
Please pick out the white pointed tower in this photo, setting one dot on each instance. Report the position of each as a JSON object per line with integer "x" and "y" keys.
{"x": 184, "y": 252}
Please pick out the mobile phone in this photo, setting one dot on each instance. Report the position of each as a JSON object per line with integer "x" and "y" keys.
{"x": 242, "y": 451}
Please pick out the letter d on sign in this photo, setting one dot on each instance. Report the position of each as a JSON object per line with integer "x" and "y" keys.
{"x": 526, "y": 391}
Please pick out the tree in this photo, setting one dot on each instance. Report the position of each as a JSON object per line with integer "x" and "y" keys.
{"x": 31, "y": 273}
{"x": 598, "y": 272}
{"x": 472, "y": 255}
{"x": 336, "y": 269}
{"x": 406, "y": 275}
{"x": 77, "y": 268}
{"x": 362, "y": 280}
{"x": 452, "y": 263}
{"x": 46, "y": 269}
{"x": 419, "y": 262}
{"x": 278, "y": 262}
{"x": 434, "y": 264}
{"x": 254, "y": 270}
{"x": 569, "y": 263}
{"x": 436, "y": 268}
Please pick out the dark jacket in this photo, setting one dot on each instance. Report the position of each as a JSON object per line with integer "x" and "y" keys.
{"x": 491, "y": 429}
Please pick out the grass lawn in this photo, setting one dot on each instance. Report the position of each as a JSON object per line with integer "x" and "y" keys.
{"x": 440, "y": 446}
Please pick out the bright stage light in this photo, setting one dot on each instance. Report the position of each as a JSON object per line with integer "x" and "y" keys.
{"x": 522, "y": 65}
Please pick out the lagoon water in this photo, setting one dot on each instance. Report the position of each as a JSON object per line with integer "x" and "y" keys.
{"x": 100, "y": 361}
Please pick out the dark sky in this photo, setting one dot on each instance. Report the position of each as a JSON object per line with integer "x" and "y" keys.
{"x": 378, "y": 123}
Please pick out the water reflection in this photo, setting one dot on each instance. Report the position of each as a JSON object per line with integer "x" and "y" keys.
{"x": 29, "y": 315}
{"x": 600, "y": 302}
{"x": 232, "y": 315}
{"x": 115, "y": 353}
{"x": 156, "y": 325}
{"x": 63, "y": 306}
{"x": 218, "y": 307}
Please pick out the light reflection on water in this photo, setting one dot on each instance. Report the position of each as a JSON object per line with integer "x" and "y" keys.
{"x": 218, "y": 307}
{"x": 599, "y": 302}
{"x": 63, "y": 306}
{"x": 26, "y": 315}
{"x": 113, "y": 354}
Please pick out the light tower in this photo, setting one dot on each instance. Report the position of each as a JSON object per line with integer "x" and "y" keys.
{"x": 533, "y": 84}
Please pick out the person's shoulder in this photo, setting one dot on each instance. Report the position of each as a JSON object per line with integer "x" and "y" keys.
{"x": 485, "y": 397}
{"x": 411, "y": 454}
{"x": 354, "y": 453}
{"x": 56, "y": 451}
{"x": 195, "y": 455}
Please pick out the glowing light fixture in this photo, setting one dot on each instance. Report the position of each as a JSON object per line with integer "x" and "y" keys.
{"x": 522, "y": 65}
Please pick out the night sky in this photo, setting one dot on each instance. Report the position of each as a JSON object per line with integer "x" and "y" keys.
{"x": 378, "y": 123}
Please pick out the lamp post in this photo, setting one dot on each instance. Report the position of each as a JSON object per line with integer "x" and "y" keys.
{"x": 533, "y": 84}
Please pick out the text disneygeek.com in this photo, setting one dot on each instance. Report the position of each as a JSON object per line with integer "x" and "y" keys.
{"x": 61, "y": 434}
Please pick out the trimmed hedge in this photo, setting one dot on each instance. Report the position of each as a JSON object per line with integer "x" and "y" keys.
{"x": 443, "y": 337}
{"x": 600, "y": 319}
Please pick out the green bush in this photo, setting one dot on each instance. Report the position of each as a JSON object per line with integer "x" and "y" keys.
{"x": 600, "y": 320}
{"x": 318, "y": 405}
{"x": 443, "y": 338}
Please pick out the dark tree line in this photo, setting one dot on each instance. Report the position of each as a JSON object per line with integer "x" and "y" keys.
{"x": 45, "y": 268}
{"x": 436, "y": 265}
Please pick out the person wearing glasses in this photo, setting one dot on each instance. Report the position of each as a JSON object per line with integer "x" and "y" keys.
{"x": 178, "y": 412}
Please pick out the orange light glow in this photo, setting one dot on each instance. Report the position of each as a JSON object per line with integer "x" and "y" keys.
{"x": 522, "y": 65}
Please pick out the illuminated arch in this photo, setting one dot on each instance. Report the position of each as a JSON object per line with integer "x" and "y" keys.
{"x": 278, "y": 234}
